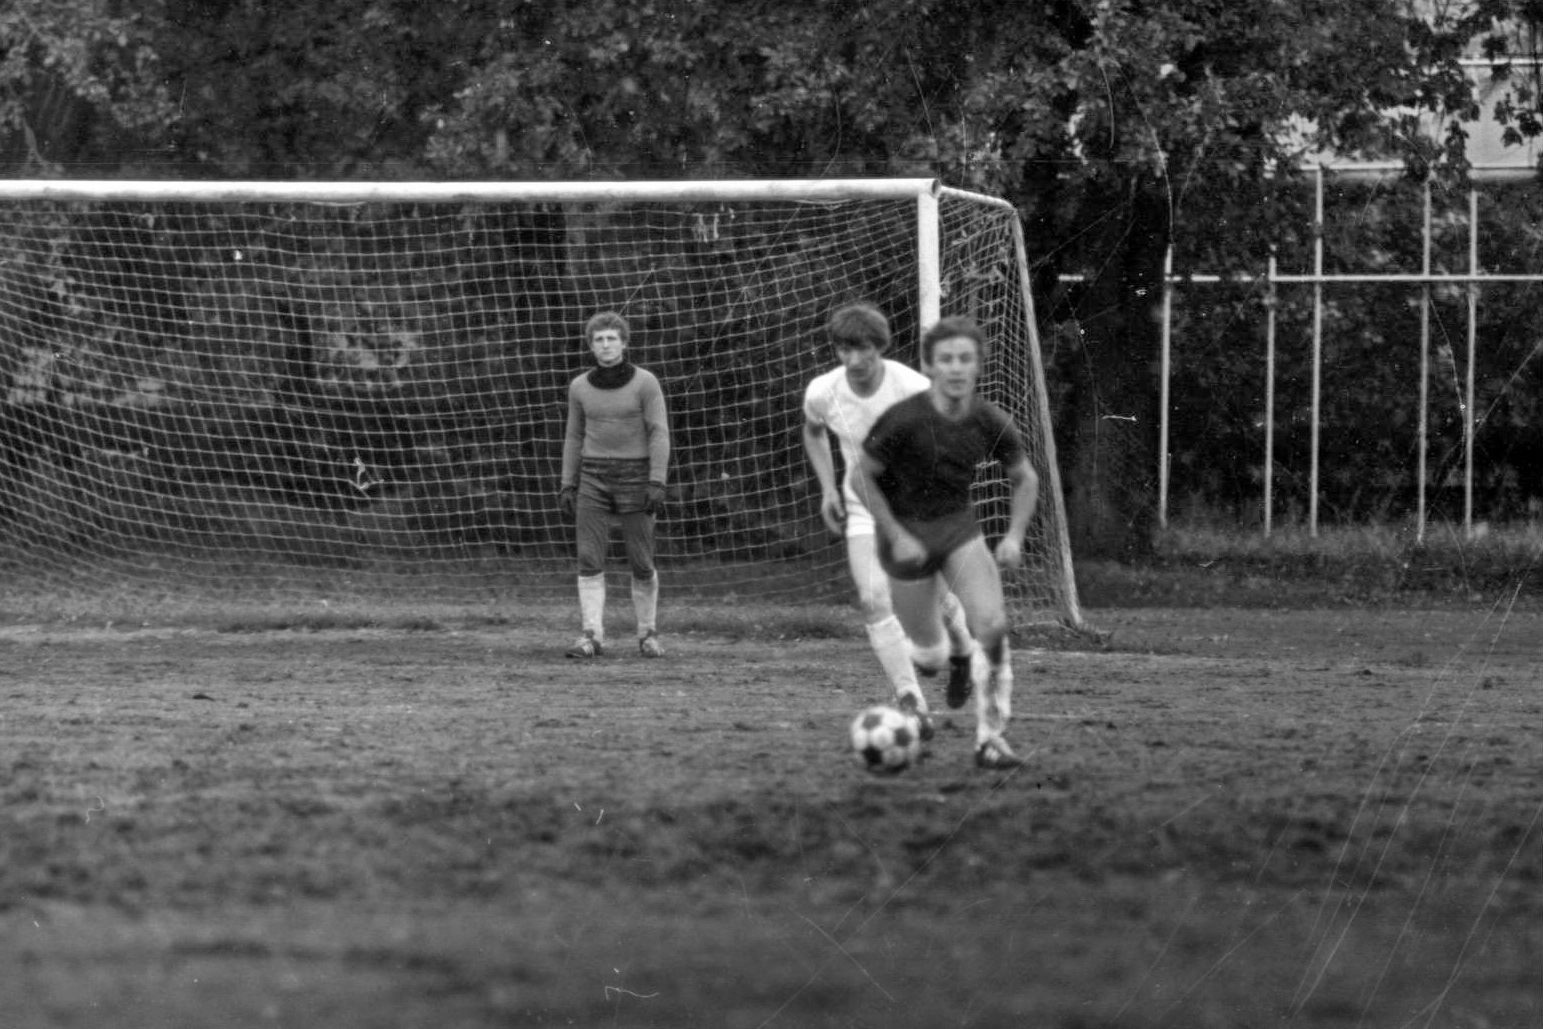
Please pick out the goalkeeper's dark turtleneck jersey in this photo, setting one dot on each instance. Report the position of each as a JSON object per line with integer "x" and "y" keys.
{"x": 616, "y": 413}
{"x": 614, "y": 377}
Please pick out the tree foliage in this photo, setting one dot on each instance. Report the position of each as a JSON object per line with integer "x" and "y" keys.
{"x": 1102, "y": 96}
{"x": 79, "y": 80}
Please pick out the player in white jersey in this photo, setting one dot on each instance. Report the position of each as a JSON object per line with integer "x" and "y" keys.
{"x": 845, "y": 402}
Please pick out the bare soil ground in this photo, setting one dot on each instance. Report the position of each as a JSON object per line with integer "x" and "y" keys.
{"x": 1230, "y": 818}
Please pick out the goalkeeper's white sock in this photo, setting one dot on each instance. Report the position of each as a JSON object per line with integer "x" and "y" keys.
{"x": 592, "y": 605}
{"x": 893, "y": 650}
{"x": 645, "y": 601}
{"x": 960, "y": 642}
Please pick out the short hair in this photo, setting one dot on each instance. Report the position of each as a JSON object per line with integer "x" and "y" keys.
{"x": 858, "y": 324}
{"x": 607, "y": 320}
{"x": 948, "y": 328}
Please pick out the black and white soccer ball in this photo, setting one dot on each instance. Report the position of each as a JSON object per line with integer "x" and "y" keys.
{"x": 886, "y": 739}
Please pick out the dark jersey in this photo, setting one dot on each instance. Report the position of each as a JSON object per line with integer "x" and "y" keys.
{"x": 929, "y": 460}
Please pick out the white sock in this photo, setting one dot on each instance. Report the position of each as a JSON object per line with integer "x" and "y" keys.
{"x": 993, "y": 697}
{"x": 960, "y": 642}
{"x": 1002, "y": 681}
{"x": 645, "y": 601}
{"x": 894, "y": 653}
{"x": 592, "y": 605}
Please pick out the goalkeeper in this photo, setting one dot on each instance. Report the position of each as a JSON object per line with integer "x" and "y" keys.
{"x": 615, "y": 456}
{"x": 844, "y": 402}
{"x": 917, "y": 468}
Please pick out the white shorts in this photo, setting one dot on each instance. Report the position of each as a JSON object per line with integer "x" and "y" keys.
{"x": 859, "y": 520}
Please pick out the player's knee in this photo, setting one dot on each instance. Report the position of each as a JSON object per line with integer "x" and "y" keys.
{"x": 874, "y": 603}
{"x": 991, "y": 631}
{"x": 932, "y": 658}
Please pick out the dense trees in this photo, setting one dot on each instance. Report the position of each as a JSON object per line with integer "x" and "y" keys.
{"x": 1118, "y": 127}
{"x": 79, "y": 84}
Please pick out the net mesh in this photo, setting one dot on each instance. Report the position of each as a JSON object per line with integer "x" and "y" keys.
{"x": 369, "y": 399}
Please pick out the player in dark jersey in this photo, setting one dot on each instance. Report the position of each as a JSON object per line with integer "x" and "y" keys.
{"x": 917, "y": 468}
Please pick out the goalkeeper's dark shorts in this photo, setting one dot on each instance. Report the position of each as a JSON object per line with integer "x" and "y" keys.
{"x": 940, "y": 538}
{"x": 617, "y": 485}
{"x": 612, "y": 491}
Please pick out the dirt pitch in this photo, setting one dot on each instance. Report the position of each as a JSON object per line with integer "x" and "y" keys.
{"x": 1231, "y": 818}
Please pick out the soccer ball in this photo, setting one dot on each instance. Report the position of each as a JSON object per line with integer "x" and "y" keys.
{"x": 886, "y": 739}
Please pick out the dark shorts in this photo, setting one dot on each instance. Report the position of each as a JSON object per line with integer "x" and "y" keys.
{"x": 612, "y": 492}
{"x": 618, "y": 485}
{"x": 940, "y": 538}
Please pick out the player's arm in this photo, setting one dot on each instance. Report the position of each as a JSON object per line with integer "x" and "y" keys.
{"x": 656, "y": 434}
{"x": 1025, "y": 497}
{"x": 573, "y": 438}
{"x": 904, "y": 547}
{"x": 656, "y": 429}
{"x": 573, "y": 445}
{"x": 817, "y": 450}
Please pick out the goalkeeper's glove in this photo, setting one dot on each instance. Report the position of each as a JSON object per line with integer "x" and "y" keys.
{"x": 655, "y": 501}
{"x": 568, "y": 500}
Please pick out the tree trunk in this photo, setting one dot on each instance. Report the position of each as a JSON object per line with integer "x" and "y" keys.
{"x": 1109, "y": 426}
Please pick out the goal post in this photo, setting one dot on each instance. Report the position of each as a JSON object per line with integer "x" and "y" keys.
{"x": 344, "y": 389}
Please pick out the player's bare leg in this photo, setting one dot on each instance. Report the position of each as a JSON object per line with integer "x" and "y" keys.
{"x": 885, "y": 634}
{"x": 961, "y": 649}
{"x": 916, "y": 605}
{"x": 873, "y": 594}
{"x": 973, "y": 575}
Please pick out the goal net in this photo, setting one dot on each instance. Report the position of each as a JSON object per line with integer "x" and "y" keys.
{"x": 359, "y": 390}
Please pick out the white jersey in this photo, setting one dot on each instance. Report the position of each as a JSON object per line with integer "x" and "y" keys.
{"x": 829, "y": 402}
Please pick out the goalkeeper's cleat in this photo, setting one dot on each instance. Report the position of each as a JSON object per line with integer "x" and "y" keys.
{"x": 648, "y": 645}
{"x": 587, "y": 647}
{"x": 995, "y": 753}
{"x": 959, "y": 685}
{"x": 924, "y": 727}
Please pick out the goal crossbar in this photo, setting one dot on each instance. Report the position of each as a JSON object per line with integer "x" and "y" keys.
{"x": 221, "y": 192}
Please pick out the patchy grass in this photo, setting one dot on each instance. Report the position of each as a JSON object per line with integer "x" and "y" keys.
{"x": 1193, "y": 565}
{"x": 1209, "y": 566}
{"x": 1230, "y": 818}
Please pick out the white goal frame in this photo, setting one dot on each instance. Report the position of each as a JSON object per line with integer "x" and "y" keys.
{"x": 1027, "y": 399}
